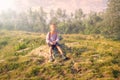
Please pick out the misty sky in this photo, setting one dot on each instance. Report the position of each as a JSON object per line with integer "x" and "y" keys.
{"x": 69, "y": 5}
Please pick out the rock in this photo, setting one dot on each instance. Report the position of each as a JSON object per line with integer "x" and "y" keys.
{"x": 22, "y": 50}
{"x": 40, "y": 51}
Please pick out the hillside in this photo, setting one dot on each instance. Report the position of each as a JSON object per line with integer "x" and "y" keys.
{"x": 92, "y": 57}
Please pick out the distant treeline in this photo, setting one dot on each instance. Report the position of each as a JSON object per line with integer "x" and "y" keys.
{"x": 106, "y": 23}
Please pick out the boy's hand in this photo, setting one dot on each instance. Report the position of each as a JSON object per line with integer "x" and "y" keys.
{"x": 54, "y": 42}
{"x": 51, "y": 43}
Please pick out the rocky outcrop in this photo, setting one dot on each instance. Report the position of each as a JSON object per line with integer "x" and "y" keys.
{"x": 40, "y": 51}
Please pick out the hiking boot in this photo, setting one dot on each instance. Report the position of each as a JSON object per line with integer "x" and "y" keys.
{"x": 64, "y": 57}
{"x": 51, "y": 59}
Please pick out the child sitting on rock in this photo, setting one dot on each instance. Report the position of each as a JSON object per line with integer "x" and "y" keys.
{"x": 52, "y": 40}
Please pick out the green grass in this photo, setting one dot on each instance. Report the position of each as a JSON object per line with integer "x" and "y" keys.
{"x": 92, "y": 57}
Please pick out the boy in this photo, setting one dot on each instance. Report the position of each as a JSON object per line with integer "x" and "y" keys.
{"x": 52, "y": 40}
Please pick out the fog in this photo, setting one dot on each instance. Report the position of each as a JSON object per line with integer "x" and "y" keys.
{"x": 69, "y": 5}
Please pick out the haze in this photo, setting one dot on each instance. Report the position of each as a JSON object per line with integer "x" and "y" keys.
{"x": 69, "y": 5}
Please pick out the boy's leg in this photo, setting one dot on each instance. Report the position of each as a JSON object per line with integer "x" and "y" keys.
{"x": 61, "y": 52}
{"x": 50, "y": 52}
{"x": 59, "y": 49}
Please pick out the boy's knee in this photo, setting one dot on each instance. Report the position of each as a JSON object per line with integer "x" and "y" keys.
{"x": 50, "y": 48}
{"x": 58, "y": 46}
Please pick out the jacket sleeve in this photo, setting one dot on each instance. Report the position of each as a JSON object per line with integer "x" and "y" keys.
{"x": 47, "y": 38}
{"x": 57, "y": 39}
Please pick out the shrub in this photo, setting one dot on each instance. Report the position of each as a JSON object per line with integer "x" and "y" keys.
{"x": 33, "y": 71}
{"x": 20, "y": 46}
{"x": 3, "y": 43}
{"x": 8, "y": 66}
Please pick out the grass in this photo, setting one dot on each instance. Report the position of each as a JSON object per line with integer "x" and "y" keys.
{"x": 92, "y": 57}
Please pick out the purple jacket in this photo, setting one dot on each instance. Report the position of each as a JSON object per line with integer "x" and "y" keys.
{"x": 51, "y": 38}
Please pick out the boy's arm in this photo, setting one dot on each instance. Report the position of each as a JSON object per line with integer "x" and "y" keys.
{"x": 47, "y": 38}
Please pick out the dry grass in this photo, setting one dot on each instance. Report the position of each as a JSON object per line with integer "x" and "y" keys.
{"x": 92, "y": 57}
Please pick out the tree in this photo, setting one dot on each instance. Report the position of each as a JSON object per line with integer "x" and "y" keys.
{"x": 91, "y": 23}
{"x": 112, "y": 20}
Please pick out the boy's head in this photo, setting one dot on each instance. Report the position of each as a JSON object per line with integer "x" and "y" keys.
{"x": 52, "y": 27}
